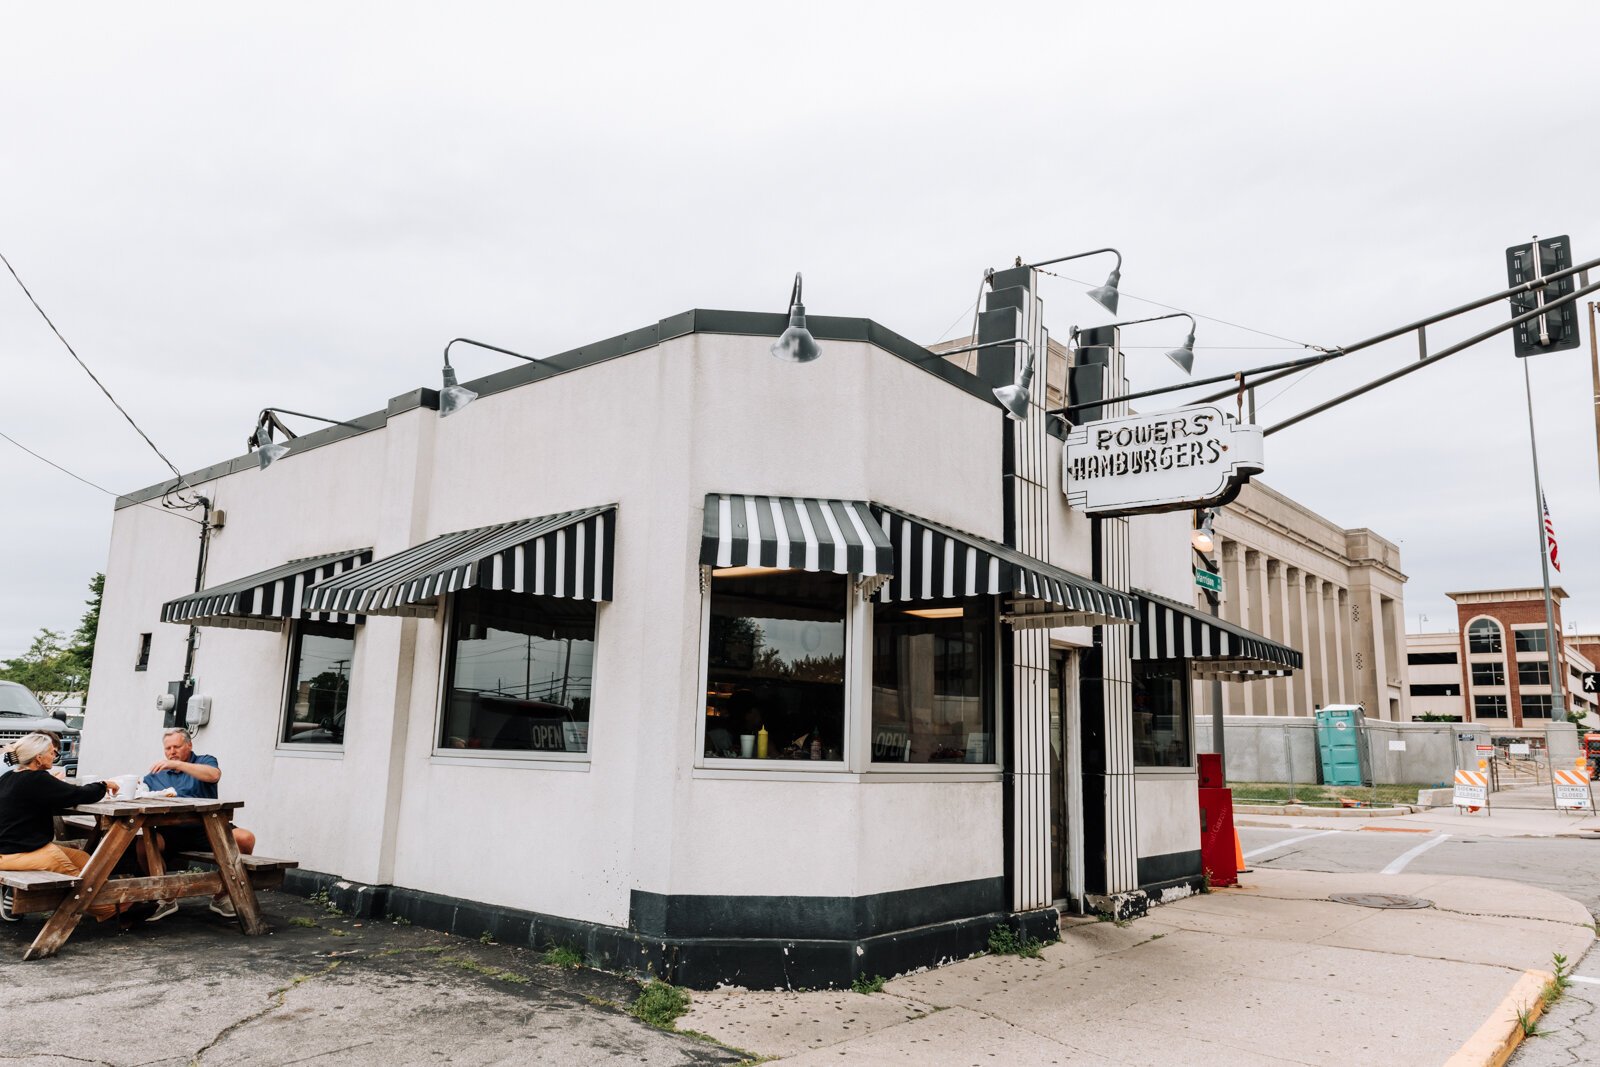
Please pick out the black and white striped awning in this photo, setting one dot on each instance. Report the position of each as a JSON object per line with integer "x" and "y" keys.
{"x": 800, "y": 533}
{"x": 1167, "y": 629}
{"x": 566, "y": 555}
{"x": 262, "y": 601}
{"x": 935, "y": 562}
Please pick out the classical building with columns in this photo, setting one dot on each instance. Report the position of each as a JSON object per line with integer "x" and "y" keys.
{"x": 1336, "y": 595}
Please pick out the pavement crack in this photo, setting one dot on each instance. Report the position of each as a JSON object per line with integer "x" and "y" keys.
{"x": 275, "y": 1000}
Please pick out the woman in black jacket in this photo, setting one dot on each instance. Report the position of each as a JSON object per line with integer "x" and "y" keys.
{"x": 30, "y": 796}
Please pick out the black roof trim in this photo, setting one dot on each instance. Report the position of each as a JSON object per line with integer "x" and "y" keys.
{"x": 697, "y": 320}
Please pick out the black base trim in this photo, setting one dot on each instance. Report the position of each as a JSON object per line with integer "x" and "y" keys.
{"x": 1166, "y": 867}
{"x": 697, "y": 962}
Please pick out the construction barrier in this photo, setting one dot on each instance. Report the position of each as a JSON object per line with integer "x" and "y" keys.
{"x": 1472, "y": 789}
{"x": 1571, "y": 787}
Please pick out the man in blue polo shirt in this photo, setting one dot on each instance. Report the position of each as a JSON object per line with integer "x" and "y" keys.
{"x": 183, "y": 771}
{"x": 190, "y": 775}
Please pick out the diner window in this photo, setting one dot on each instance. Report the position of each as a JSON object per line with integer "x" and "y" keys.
{"x": 143, "y": 662}
{"x": 1536, "y": 707}
{"x": 775, "y": 666}
{"x": 1483, "y": 636}
{"x": 520, "y": 673}
{"x": 1161, "y": 732}
{"x": 1488, "y": 674}
{"x": 320, "y": 655}
{"x": 1533, "y": 672}
{"x": 1488, "y": 707}
{"x": 1530, "y": 640}
{"x": 933, "y": 682}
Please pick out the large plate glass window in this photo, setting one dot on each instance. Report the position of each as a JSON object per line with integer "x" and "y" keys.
{"x": 775, "y": 666}
{"x": 1488, "y": 674}
{"x": 1161, "y": 730}
{"x": 520, "y": 672}
{"x": 1536, "y": 706}
{"x": 933, "y": 682}
{"x": 1483, "y": 636}
{"x": 1533, "y": 672}
{"x": 320, "y": 657}
{"x": 1530, "y": 640}
{"x": 1488, "y": 707}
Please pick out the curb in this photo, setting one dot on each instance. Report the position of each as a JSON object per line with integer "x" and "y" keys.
{"x": 1499, "y": 1037}
{"x": 1304, "y": 809}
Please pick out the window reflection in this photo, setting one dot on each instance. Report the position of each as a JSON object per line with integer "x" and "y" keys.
{"x": 932, "y": 682}
{"x": 1161, "y": 733}
{"x": 521, "y": 668}
{"x": 319, "y": 683}
{"x": 775, "y": 666}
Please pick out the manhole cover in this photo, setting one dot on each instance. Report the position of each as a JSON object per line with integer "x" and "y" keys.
{"x": 1381, "y": 900}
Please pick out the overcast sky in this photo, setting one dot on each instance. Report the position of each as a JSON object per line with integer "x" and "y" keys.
{"x": 224, "y": 209}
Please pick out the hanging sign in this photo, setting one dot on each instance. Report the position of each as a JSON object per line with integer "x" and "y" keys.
{"x": 1168, "y": 461}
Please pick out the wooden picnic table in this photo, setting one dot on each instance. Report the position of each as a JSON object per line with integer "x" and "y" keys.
{"x": 116, "y": 827}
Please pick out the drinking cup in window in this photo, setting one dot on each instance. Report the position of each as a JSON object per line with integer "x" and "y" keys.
{"x": 747, "y": 745}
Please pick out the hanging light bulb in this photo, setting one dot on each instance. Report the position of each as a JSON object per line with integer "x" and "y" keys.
{"x": 1202, "y": 538}
{"x": 1106, "y": 295}
{"x": 1183, "y": 356}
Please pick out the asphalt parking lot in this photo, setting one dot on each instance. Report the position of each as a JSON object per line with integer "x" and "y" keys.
{"x": 192, "y": 989}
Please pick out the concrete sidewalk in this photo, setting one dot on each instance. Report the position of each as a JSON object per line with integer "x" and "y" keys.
{"x": 1270, "y": 973}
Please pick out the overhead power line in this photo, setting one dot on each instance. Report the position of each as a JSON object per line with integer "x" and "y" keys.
{"x": 26, "y": 292}
{"x": 71, "y": 474}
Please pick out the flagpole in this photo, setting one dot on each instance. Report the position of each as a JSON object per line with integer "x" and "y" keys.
{"x": 1558, "y": 710}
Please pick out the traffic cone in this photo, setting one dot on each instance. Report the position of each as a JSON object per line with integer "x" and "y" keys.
{"x": 1238, "y": 853}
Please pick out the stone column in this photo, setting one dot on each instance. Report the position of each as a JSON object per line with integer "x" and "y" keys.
{"x": 1299, "y": 638}
{"x": 1316, "y": 650}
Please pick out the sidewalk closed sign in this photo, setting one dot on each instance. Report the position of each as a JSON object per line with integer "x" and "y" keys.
{"x": 1572, "y": 787}
{"x": 1472, "y": 789}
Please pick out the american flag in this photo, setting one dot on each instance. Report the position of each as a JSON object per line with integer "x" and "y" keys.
{"x": 1550, "y": 534}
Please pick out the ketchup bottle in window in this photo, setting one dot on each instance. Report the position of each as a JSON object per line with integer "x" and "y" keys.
{"x": 816, "y": 742}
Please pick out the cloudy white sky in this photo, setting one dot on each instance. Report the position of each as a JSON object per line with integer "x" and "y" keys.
{"x": 224, "y": 209}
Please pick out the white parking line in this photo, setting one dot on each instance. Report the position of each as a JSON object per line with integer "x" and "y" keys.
{"x": 1406, "y": 857}
{"x": 1253, "y": 853}
{"x": 1584, "y": 978}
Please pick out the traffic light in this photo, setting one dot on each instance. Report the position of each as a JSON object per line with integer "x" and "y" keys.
{"x": 1558, "y": 329}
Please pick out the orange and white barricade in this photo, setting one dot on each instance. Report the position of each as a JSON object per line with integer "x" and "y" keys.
{"x": 1571, "y": 787}
{"x": 1472, "y": 789}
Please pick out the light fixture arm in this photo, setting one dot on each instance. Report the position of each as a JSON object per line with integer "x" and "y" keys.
{"x": 497, "y": 348}
{"x": 1153, "y": 318}
{"x": 1077, "y": 255}
{"x": 1013, "y": 398}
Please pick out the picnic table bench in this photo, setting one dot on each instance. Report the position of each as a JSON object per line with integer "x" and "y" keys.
{"x": 115, "y": 825}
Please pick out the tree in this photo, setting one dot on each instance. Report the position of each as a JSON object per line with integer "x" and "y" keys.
{"x": 48, "y": 666}
{"x": 83, "y": 637}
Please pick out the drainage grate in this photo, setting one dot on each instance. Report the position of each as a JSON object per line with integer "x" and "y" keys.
{"x": 1381, "y": 900}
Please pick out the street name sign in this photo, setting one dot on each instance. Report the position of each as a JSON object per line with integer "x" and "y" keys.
{"x": 1165, "y": 461}
{"x": 1207, "y": 580}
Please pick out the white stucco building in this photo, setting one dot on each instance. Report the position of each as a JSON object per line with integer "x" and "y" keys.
{"x": 729, "y": 668}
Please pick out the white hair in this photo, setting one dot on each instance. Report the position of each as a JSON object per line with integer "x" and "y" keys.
{"x": 29, "y": 747}
{"x": 178, "y": 731}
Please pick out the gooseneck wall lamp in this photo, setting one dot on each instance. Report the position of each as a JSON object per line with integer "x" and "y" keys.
{"x": 1014, "y": 398}
{"x": 795, "y": 344}
{"x": 454, "y": 396}
{"x": 1106, "y": 295}
{"x": 1183, "y": 355}
{"x": 269, "y": 451}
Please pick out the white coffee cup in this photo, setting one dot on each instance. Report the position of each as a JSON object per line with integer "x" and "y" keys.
{"x": 127, "y": 785}
{"x": 747, "y": 745}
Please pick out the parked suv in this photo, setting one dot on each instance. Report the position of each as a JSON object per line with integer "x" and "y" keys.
{"x": 21, "y": 714}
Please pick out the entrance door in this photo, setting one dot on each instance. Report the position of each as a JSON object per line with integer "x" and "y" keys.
{"x": 1060, "y": 834}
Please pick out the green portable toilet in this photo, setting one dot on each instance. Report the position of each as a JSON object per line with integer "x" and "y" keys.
{"x": 1338, "y": 742}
